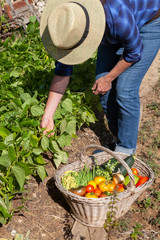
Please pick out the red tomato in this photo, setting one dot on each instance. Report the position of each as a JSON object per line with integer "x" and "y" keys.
{"x": 119, "y": 188}
{"x": 140, "y": 176}
{"x": 97, "y": 191}
{"x": 105, "y": 194}
{"x": 142, "y": 181}
{"x": 134, "y": 171}
{"x": 89, "y": 188}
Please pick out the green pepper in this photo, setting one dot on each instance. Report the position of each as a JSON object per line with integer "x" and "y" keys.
{"x": 127, "y": 179}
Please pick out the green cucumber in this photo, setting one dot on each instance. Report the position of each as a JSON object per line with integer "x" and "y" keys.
{"x": 129, "y": 160}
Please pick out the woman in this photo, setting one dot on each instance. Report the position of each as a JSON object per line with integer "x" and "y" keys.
{"x": 130, "y": 43}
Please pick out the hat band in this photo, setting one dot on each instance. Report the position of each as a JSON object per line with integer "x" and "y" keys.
{"x": 86, "y": 31}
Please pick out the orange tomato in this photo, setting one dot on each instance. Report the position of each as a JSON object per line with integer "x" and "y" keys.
{"x": 99, "y": 179}
{"x": 134, "y": 171}
{"x": 97, "y": 191}
{"x": 119, "y": 188}
{"x": 91, "y": 195}
{"x": 107, "y": 187}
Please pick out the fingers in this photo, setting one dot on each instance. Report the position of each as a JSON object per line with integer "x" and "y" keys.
{"x": 48, "y": 126}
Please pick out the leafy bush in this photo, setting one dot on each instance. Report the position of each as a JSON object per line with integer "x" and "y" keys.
{"x": 26, "y": 73}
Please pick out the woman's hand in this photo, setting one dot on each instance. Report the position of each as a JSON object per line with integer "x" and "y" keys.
{"x": 48, "y": 124}
{"x": 102, "y": 86}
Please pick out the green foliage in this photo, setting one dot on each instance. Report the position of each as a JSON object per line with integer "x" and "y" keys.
{"x": 137, "y": 231}
{"x": 111, "y": 222}
{"x": 26, "y": 72}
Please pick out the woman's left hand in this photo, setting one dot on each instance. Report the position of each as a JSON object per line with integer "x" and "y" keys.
{"x": 102, "y": 86}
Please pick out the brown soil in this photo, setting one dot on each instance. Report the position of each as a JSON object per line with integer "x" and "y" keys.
{"x": 46, "y": 213}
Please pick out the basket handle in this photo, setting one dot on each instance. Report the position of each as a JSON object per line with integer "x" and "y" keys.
{"x": 113, "y": 154}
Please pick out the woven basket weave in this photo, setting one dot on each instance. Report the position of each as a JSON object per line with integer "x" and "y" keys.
{"x": 92, "y": 212}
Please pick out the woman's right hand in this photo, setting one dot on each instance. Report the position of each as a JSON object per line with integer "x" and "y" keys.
{"x": 48, "y": 124}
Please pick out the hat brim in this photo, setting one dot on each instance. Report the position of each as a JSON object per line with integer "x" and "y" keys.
{"x": 87, "y": 48}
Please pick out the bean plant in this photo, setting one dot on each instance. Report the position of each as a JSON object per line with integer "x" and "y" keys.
{"x": 26, "y": 71}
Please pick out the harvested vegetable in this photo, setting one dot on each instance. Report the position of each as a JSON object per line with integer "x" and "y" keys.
{"x": 127, "y": 180}
{"x": 118, "y": 178}
{"x": 119, "y": 168}
{"x": 119, "y": 188}
{"x": 134, "y": 171}
{"x": 107, "y": 186}
{"x": 99, "y": 179}
{"x": 97, "y": 191}
{"x": 91, "y": 195}
{"x": 81, "y": 190}
{"x": 93, "y": 183}
{"x": 89, "y": 188}
{"x": 142, "y": 181}
{"x": 69, "y": 179}
{"x": 106, "y": 169}
{"x": 105, "y": 194}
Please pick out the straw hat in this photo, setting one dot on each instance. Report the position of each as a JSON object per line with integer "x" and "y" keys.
{"x": 71, "y": 31}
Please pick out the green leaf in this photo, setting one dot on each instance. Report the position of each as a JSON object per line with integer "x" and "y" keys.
{"x": 2, "y": 221}
{"x": 12, "y": 153}
{"x": 3, "y": 203}
{"x": 45, "y": 143}
{"x": 71, "y": 127}
{"x": 54, "y": 146}
{"x": 37, "y": 151}
{"x": 60, "y": 157}
{"x": 57, "y": 159}
{"x": 4, "y": 132}
{"x": 2, "y": 146}
{"x": 57, "y": 115}
{"x": 9, "y": 140}
{"x": 63, "y": 125}
{"x": 3, "y": 179}
{"x": 64, "y": 140}
{"x": 25, "y": 167}
{"x": 25, "y": 96}
{"x": 34, "y": 140}
{"x": 40, "y": 160}
{"x": 67, "y": 104}
{"x": 19, "y": 174}
{"x": 32, "y": 19}
{"x": 37, "y": 110}
{"x": 64, "y": 156}
{"x": 25, "y": 110}
{"x": 41, "y": 172}
{"x": 5, "y": 161}
{"x": 15, "y": 74}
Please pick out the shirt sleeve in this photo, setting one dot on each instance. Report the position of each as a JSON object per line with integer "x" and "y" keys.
{"x": 63, "y": 69}
{"x": 127, "y": 33}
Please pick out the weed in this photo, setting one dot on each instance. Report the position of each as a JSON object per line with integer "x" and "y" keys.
{"x": 145, "y": 203}
{"x": 137, "y": 231}
{"x": 123, "y": 225}
{"x": 155, "y": 107}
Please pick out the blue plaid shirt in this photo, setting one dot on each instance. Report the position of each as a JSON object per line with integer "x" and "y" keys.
{"x": 124, "y": 18}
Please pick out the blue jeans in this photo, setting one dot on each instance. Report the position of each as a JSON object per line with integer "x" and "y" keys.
{"x": 121, "y": 104}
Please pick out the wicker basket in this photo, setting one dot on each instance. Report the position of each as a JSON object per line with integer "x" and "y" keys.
{"x": 92, "y": 212}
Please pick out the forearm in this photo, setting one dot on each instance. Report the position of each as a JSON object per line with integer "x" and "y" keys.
{"x": 56, "y": 92}
{"x": 120, "y": 67}
{"x": 104, "y": 84}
